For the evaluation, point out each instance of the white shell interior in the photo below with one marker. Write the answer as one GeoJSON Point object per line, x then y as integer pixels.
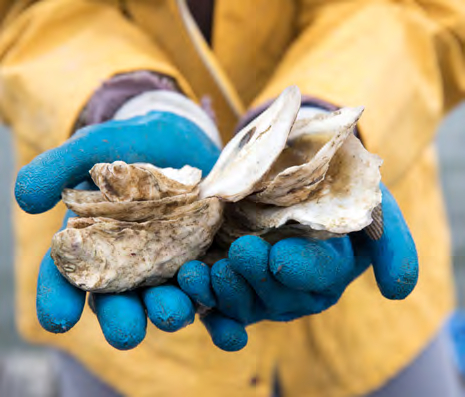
{"type": "Point", "coordinates": [251, 153]}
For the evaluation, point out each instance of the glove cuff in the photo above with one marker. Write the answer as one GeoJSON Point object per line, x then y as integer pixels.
{"type": "Point", "coordinates": [172, 102]}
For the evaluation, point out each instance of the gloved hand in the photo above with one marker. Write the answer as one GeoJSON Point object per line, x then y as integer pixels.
{"type": "Point", "coordinates": [161, 138]}
{"type": "Point", "coordinates": [298, 276]}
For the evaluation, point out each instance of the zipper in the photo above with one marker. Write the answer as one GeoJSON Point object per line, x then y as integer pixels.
{"type": "Point", "coordinates": [196, 36]}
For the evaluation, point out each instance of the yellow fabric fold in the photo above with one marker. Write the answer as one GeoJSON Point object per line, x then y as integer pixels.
{"type": "Point", "coordinates": [46, 82]}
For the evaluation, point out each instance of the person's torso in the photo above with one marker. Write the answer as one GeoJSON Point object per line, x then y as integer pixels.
{"type": "Point", "coordinates": [351, 348]}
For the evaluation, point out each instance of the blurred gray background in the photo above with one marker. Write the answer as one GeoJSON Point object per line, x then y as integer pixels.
{"type": "Point", "coordinates": [31, 365]}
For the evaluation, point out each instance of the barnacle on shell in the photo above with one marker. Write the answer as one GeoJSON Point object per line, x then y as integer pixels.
{"type": "Point", "coordinates": [276, 178]}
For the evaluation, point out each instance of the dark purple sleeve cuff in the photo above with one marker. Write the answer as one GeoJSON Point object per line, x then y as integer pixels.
{"type": "Point", "coordinates": [306, 101]}
{"type": "Point", "coordinates": [113, 93]}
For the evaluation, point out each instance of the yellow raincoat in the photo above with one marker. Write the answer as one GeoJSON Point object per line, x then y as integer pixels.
{"type": "Point", "coordinates": [403, 60]}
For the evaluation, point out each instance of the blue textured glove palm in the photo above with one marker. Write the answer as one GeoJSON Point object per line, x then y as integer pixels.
{"type": "Point", "coordinates": [160, 138]}
{"type": "Point", "coordinates": [294, 278]}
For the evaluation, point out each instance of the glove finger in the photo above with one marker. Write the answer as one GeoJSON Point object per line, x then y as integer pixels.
{"type": "Point", "coordinates": [168, 308]}
{"type": "Point", "coordinates": [226, 333]}
{"type": "Point", "coordinates": [391, 249]}
{"type": "Point", "coordinates": [313, 265]}
{"type": "Point", "coordinates": [249, 257]}
{"type": "Point", "coordinates": [194, 279]}
{"type": "Point", "coordinates": [40, 183]}
{"type": "Point", "coordinates": [122, 319]}
{"type": "Point", "coordinates": [59, 304]}
{"type": "Point", "coordinates": [308, 304]}
{"type": "Point", "coordinates": [234, 295]}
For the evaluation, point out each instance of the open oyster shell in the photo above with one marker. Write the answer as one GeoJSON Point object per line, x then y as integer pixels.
{"type": "Point", "coordinates": [251, 153]}
{"type": "Point", "coordinates": [340, 204]}
{"type": "Point", "coordinates": [277, 178]}
{"type": "Point", "coordinates": [302, 165]}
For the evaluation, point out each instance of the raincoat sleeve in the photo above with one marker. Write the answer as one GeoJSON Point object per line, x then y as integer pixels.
{"type": "Point", "coordinates": [403, 60]}
{"type": "Point", "coordinates": [55, 54]}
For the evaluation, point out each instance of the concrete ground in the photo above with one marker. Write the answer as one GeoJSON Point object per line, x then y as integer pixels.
{"type": "Point", "coordinates": [28, 369]}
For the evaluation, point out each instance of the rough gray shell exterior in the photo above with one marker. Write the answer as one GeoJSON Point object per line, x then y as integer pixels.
{"type": "Point", "coordinates": [106, 255]}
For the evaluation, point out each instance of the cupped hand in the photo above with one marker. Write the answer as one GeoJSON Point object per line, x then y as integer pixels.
{"type": "Point", "coordinates": [163, 139]}
{"type": "Point", "coordinates": [122, 317]}
{"type": "Point", "coordinates": [298, 276]}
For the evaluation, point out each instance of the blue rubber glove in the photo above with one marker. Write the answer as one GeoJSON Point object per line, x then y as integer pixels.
{"type": "Point", "coordinates": [163, 139]}
{"type": "Point", "coordinates": [297, 276]}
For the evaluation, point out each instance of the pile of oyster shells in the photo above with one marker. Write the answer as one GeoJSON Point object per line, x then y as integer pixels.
{"type": "Point", "coordinates": [278, 177]}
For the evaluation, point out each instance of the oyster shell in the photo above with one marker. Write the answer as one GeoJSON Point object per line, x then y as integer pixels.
{"type": "Point", "coordinates": [302, 165]}
{"type": "Point", "coordinates": [276, 178]}
{"type": "Point", "coordinates": [119, 181]}
{"type": "Point", "coordinates": [250, 154]}
{"type": "Point", "coordinates": [106, 255]}
{"type": "Point", "coordinates": [341, 203]}
{"type": "Point", "coordinates": [93, 204]}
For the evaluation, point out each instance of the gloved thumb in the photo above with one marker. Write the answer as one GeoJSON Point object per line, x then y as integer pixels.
{"type": "Point", "coordinates": [164, 139]}
{"type": "Point", "coordinates": [389, 245]}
